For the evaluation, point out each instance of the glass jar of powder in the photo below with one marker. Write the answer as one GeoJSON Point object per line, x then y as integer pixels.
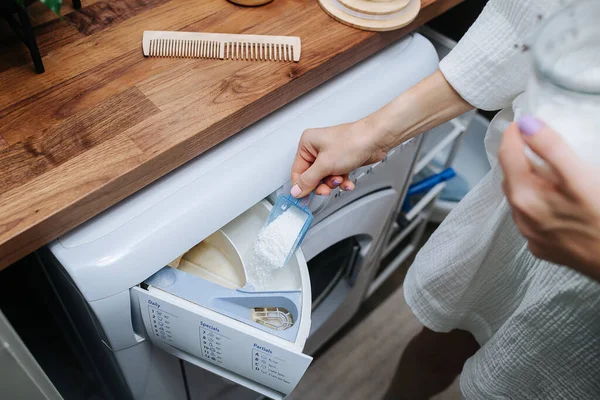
{"type": "Point", "coordinates": [564, 90]}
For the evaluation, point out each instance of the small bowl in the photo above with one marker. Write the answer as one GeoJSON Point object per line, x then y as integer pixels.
{"type": "Point", "coordinates": [250, 3]}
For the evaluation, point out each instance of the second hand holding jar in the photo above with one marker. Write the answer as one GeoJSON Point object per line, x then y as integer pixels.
{"type": "Point", "coordinates": [564, 90]}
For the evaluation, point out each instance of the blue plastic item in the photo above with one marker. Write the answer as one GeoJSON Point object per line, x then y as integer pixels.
{"type": "Point", "coordinates": [282, 204]}
{"type": "Point", "coordinates": [426, 184]}
{"type": "Point", "coordinates": [456, 189]}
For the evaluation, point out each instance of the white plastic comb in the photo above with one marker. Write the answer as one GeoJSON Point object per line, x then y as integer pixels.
{"type": "Point", "coordinates": [221, 46]}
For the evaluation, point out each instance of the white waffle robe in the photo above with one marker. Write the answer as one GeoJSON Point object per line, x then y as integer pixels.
{"type": "Point", "coordinates": [538, 324]}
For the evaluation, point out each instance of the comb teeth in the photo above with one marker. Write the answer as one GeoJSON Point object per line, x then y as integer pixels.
{"type": "Point", "coordinates": [184, 48]}
{"type": "Point", "coordinates": [258, 51]}
{"type": "Point", "coordinates": [221, 46]}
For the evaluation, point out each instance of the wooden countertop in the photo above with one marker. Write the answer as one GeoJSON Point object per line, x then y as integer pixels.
{"type": "Point", "coordinates": [103, 121]}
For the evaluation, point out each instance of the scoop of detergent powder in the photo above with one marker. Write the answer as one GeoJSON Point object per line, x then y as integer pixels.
{"type": "Point", "coordinates": [274, 244]}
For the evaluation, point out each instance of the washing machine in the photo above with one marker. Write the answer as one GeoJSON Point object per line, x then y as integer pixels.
{"type": "Point", "coordinates": [152, 329]}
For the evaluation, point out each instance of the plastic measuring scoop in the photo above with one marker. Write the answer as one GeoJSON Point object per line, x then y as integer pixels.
{"type": "Point", "coordinates": [284, 203]}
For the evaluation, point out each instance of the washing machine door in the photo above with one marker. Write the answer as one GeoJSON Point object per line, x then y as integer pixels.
{"type": "Point", "coordinates": [341, 251]}
{"type": "Point", "coordinates": [253, 338]}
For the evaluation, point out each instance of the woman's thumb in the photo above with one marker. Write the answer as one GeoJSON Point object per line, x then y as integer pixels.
{"type": "Point", "coordinates": [309, 180]}
{"type": "Point", "coordinates": [550, 146]}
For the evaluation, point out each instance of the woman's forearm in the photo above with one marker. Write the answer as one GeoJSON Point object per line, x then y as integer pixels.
{"type": "Point", "coordinates": [426, 105]}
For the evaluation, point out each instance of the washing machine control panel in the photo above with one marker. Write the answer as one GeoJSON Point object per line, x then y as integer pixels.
{"type": "Point", "coordinates": [215, 339]}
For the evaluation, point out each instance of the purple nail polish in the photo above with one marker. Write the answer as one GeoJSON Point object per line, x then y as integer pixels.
{"type": "Point", "coordinates": [530, 125]}
{"type": "Point", "coordinates": [348, 188]}
{"type": "Point", "coordinates": [337, 182]}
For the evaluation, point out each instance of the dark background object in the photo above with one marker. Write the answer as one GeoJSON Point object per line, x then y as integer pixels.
{"type": "Point", "coordinates": [21, 25]}
{"type": "Point", "coordinates": [456, 22]}
{"type": "Point", "coordinates": [28, 302]}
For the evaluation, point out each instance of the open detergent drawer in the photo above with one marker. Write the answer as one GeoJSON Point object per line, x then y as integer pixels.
{"type": "Point", "coordinates": [203, 309]}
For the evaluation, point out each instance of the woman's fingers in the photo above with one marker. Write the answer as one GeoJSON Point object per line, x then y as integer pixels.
{"type": "Point", "coordinates": [333, 181]}
{"type": "Point", "coordinates": [520, 183]}
{"type": "Point", "coordinates": [522, 224]}
{"type": "Point", "coordinates": [300, 165]}
{"type": "Point", "coordinates": [323, 190]}
{"type": "Point", "coordinates": [526, 192]}
{"type": "Point", "coordinates": [347, 184]}
{"type": "Point", "coordinates": [308, 180]}
{"type": "Point", "coordinates": [514, 162]}
{"type": "Point", "coordinates": [551, 147]}
{"type": "Point", "coordinates": [306, 173]}
{"type": "Point", "coordinates": [308, 176]}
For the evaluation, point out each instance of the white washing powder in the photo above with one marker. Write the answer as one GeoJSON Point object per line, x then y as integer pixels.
{"type": "Point", "coordinates": [273, 245]}
{"type": "Point", "coordinates": [579, 125]}
{"type": "Point", "coordinates": [576, 117]}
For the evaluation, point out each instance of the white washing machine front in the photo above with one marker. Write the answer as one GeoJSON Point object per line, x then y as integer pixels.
{"type": "Point", "coordinates": [110, 259]}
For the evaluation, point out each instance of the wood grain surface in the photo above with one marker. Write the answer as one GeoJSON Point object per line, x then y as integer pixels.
{"type": "Point", "coordinates": [103, 121]}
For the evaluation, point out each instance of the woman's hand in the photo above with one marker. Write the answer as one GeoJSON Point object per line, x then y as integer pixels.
{"type": "Point", "coordinates": [329, 154]}
{"type": "Point", "coordinates": [558, 213]}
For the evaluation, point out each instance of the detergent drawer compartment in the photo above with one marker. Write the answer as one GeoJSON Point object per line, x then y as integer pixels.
{"type": "Point", "coordinates": [215, 342]}
{"type": "Point", "coordinates": [205, 308]}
